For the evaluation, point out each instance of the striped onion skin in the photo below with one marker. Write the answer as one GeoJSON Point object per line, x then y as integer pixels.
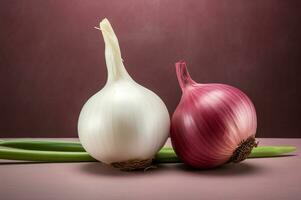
{"type": "Point", "coordinates": [211, 123]}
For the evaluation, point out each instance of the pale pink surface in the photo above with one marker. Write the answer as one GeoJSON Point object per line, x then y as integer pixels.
{"type": "Point", "coordinates": [267, 178]}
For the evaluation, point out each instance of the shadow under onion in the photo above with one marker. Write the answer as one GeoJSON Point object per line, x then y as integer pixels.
{"type": "Point", "coordinates": [224, 170]}
{"type": "Point", "coordinates": [98, 168]}
{"type": "Point", "coordinates": [230, 169]}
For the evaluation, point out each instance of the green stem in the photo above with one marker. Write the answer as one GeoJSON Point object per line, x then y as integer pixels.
{"type": "Point", "coordinates": [44, 156]}
{"type": "Point", "coordinates": [165, 155]}
{"type": "Point", "coordinates": [43, 145]}
{"type": "Point", "coordinates": [60, 156]}
{"type": "Point", "coordinates": [270, 151]}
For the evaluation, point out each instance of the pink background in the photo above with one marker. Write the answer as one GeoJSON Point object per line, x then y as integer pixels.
{"type": "Point", "coordinates": [52, 59]}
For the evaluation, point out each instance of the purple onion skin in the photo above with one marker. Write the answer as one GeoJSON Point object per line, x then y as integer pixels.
{"type": "Point", "coordinates": [210, 122]}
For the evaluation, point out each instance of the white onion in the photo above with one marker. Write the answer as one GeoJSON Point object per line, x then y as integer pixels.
{"type": "Point", "coordinates": [124, 124]}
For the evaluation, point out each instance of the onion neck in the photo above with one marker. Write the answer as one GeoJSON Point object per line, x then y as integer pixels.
{"type": "Point", "coordinates": [183, 75]}
{"type": "Point", "coordinates": [114, 62]}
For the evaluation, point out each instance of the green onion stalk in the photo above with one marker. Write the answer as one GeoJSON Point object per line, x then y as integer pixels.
{"type": "Point", "coordinates": [71, 151]}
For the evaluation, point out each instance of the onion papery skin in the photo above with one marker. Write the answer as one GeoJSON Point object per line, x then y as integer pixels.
{"type": "Point", "coordinates": [124, 124]}
{"type": "Point", "coordinates": [210, 122]}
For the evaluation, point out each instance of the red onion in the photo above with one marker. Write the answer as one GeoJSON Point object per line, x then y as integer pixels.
{"type": "Point", "coordinates": [213, 123]}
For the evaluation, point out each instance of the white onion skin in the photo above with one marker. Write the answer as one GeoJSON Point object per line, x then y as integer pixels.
{"type": "Point", "coordinates": [124, 121]}
{"type": "Point", "coordinates": [210, 122]}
